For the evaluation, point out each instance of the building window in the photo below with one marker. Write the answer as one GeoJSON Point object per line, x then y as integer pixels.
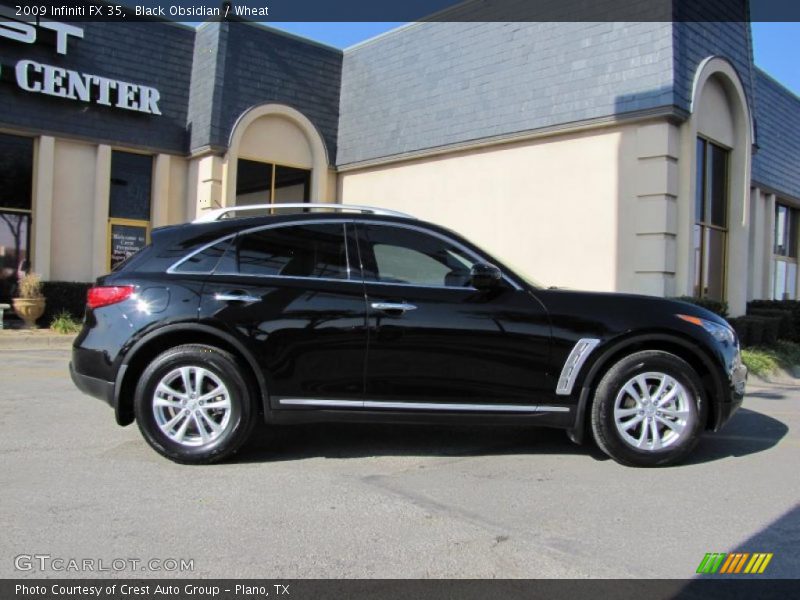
{"type": "Point", "coordinates": [16, 190]}
{"type": "Point", "coordinates": [267, 183]}
{"type": "Point", "coordinates": [784, 264]}
{"type": "Point", "coordinates": [710, 235]}
{"type": "Point", "coordinates": [129, 205]}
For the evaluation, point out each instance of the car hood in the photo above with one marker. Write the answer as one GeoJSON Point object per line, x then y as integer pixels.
{"type": "Point", "coordinates": [607, 313]}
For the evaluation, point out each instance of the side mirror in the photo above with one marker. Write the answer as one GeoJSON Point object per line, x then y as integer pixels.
{"type": "Point", "coordinates": [485, 276]}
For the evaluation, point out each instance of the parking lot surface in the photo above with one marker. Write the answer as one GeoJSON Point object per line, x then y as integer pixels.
{"type": "Point", "coordinates": [385, 501]}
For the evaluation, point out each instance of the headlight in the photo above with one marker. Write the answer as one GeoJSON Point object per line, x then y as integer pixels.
{"type": "Point", "coordinates": [721, 333]}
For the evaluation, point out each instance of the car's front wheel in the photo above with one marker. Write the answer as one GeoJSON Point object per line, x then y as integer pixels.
{"type": "Point", "coordinates": [193, 404]}
{"type": "Point", "coordinates": [649, 410]}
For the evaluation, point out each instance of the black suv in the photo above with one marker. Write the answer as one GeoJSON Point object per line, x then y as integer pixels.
{"type": "Point", "coordinates": [351, 313]}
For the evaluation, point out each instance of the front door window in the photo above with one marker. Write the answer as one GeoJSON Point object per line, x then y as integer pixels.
{"type": "Point", "coordinates": [408, 257]}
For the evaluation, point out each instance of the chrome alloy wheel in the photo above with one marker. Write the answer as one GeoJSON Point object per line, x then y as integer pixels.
{"type": "Point", "coordinates": [192, 406]}
{"type": "Point", "coordinates": [652, 411]}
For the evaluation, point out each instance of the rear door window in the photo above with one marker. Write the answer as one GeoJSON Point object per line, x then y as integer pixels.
{"type": "Point", "coordinates": [313, 250]}
{"type": "Point", "coordinates": [204, 261]}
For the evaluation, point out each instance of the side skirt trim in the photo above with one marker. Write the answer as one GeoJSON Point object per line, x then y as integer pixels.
{"type": "Point", "coordinates": [373, 404]}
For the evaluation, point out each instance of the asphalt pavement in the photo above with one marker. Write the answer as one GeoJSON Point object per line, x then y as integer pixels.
{"type": "Point", "coordinates": [319, 501]}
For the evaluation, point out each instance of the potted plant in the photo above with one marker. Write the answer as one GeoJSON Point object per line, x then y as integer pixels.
{"type": "Point", "coordinates": [29, 305]}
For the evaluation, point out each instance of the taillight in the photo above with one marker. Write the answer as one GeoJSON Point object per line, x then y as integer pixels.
{"type": "Point", "coordinates": [103, 296]}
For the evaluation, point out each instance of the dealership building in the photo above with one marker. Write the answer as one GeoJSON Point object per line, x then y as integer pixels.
{"type": "Point", "coordinates": [648, 157]}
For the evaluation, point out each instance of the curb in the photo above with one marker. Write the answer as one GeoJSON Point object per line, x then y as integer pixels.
{"type": "Point", "coordinates": [25, 341]}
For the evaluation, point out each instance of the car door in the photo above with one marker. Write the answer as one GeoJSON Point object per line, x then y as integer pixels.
{"type": "Point", "coordinates": [289, 292]}
{"type": "Point", "coordinates": [435, 339]}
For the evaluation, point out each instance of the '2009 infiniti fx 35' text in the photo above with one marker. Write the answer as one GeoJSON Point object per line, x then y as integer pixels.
{"type": "Point", "coordinates": [353, 313]}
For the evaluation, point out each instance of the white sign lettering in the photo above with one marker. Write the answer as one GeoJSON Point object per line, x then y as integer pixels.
{"type": "Point", "coordinates": [39, 78]}
{"type": "Point", "coordinates": [26, 32]}
{"type": "Point", "coordinates": [65, 83]}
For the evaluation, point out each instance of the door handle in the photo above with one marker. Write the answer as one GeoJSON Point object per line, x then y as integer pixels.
{"type": "Point", "coordinates": [393, 307]}
{"type": "Point", "coordinates": [236, 297]}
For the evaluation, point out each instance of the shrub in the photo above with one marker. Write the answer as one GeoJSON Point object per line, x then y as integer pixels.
{"type": "Point", "coordinates": [716, 306]}
{"type": "Point", "coordinates": [763, 360]}
{"type": "Point", "coordinates": [788, 353]}
{"type": "Point", "coordinates": [739, 325]}
{"type": "Point", "coordinates": [30, 286]}
{"type": "Point", "coordinates": [759, 362]}
{"type": "Point", "coordinates": [64, 297]}
{"type": "Point", "coordinates": [792, 306]}
{"type": "Point", "coordinates": [756, 330]}
{"type": "Point", "coordinates": [65, 323]}
{"type": "Point", "coordinates": [784, 318]}
{"type": "Point", "coordinates": [772, 327]}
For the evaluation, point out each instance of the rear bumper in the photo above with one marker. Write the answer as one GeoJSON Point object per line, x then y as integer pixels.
{"type": "Point", "coordinates": [92, 386]}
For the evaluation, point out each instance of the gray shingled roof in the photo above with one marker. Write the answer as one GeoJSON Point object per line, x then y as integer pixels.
{"type": "Point", "coordinates": [776, 165]}
{"type": "Point", "coordinates": [435, 84]}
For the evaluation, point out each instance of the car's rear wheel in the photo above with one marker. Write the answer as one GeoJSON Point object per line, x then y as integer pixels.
{"type": "Point", "coordinates": [193, 404]}
{"type": "Point", "coordinates": [649, 410]}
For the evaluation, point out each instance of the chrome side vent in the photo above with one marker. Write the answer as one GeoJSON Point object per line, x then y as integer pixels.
{"type": "Point", "coordinates": [580, 352]}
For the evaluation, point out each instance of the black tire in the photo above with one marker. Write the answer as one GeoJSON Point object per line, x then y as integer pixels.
{"type": "Point", "coordinates": [649, 364]}
{"type": "Point", "coordinates": [218, 366]}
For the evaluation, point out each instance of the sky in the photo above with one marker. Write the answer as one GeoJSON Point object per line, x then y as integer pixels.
{"type": "Point", "coordinates": [776, 46]}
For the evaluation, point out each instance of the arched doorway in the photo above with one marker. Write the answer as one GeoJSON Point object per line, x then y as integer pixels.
{"type": "Point", "coordinates": [275, 155]}
{"type": "Point", "coordinates": [713, 214]}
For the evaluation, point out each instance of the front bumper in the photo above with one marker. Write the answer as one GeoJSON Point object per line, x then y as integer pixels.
{"type": "Point", "coordinates": [97, 388]}
{"type": "Point", "coordinates": [737, 378]}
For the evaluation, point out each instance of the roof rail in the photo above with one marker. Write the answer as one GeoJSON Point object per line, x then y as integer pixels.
{"type": "Point", "coordinates": [219, 213]}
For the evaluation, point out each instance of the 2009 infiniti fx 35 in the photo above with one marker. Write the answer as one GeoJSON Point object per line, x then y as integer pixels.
{"type": "Point", "coordinates": [352, 313]}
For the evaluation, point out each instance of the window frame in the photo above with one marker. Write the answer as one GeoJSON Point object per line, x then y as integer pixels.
{"type": "Point", "coordinates": [352, 249]}
{"type": "Point", "coordinates": [793, 227]}
{"type": "Point", "coordinates": [147, 224]}
{"type": "Point", "coordinates": [273, 174]}
{"type": "Point", "coordinates": [700, 271]}
{"type": "Point", "coordinates": [27, 243]}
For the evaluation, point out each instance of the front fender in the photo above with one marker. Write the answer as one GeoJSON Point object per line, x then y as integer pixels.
{"type": "Point", "coordinates": [607, 354]}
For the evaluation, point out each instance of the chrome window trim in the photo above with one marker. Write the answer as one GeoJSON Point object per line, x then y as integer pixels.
{"type": "Point", "coordinates": [172, 269]}
{"type": "Point", "coordinates": [291, 277]}
{"type": "Point", "coordinates": [344, 222]}
{"type": "Point", "coordinates": [572, 366]}
{"type": "Point", "coordinates": [369, 404]}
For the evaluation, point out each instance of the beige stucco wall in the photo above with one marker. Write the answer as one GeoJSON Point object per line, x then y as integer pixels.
{"type": "Point", "coordinates": [178, 190]}
{"type": "Point", "coordinates": [275, 139]}
{"type": "Point", "coordinates": [71, 241]}
{"type": "Point", "coordinates": [714, 117]}
{"type": "Point", "coordinates": [762, 227]}
{"type": "Point", "coordinates": [549, 205]}
{"type": "Point", "coordinates": [71, 198]}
